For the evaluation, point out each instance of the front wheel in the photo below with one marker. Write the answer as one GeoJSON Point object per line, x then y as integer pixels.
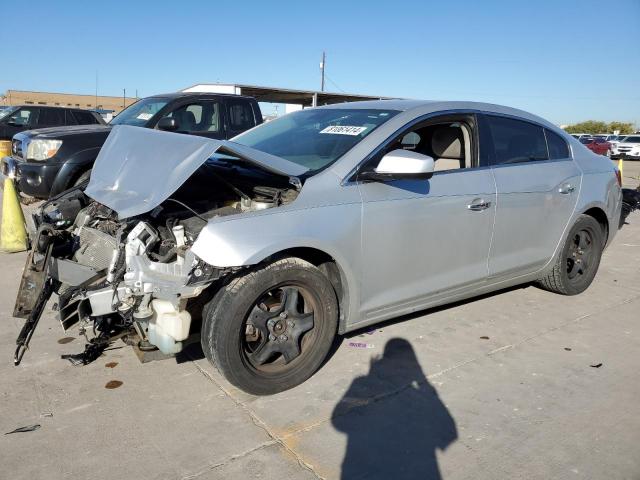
{"type": "Point", "coordinates": [579, 258]}
{"type": "Point", "coordinates": [271, 329]}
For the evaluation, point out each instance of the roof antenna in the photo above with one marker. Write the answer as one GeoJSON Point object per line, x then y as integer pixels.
{"type": "Point", "coordinates": [322, 63]}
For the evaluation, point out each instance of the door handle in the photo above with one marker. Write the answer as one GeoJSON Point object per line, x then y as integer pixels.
{"type": "Point", "coordinates": [566, 189]}
{"type": "Point", "coordinates": [478, 205]}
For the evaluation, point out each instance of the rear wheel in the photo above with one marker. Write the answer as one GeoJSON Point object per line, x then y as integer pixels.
{"type": "Point", "coordinates": [271, 329]}
{"type": "Point", "coordinates": [579, 258]}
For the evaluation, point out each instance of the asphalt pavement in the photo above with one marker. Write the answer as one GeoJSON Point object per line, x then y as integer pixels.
{"type": "Point", "coordinates": [518, 384]}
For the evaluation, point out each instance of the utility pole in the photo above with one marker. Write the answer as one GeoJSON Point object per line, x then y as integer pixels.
{"type": "Point", "coordinates": [322, 62]}
{"type": "Point", "coordinates": [96, 102]}
{"type": "Point", "coordinates": [124, 94]}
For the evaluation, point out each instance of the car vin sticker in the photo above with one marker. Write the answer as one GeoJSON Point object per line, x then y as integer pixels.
{"type": "Point", "coordinates": [343, 130]}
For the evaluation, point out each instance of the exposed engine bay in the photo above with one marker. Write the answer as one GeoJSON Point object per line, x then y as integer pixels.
{"type": "Point", "coordinates": [137, 276]}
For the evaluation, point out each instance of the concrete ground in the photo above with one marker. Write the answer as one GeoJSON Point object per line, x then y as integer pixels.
{"type": "Point", "coordinates": [519, 384]}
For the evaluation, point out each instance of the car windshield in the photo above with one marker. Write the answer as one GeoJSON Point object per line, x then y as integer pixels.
{"type": "Point", "coordinates": [632, 139]}
{"type": "Point", "coordinates": [138, 114]}
{"type": "Point", "coordinates": [314, 138]}
{"type": "Point", "coordinates": [7, 111]}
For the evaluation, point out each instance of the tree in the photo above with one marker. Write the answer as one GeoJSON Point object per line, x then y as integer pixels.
{"type": "Point", "coordinates": [590, 126]}
{"type": "Point", "coordinates": [594, 126]}
{"type": "Point", "coordinates": [625, 128]}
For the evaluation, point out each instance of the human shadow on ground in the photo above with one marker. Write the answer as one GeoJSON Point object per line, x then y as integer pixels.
{"type": "Point", "coordinates": [393, 435]}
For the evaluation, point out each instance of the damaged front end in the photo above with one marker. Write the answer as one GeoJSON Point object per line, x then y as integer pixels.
{"type": "Point", "coordinates": [119, 256]}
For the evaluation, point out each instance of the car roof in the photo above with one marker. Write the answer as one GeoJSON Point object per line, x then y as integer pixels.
{"type": "Point", "coordinates": [52, 107]}
{"type": "Point", "coordinates": [174, 95]}
{"type": "Point", "coordinates": [428, 106]}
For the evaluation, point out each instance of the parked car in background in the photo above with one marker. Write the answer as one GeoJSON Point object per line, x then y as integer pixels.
{"type": "Point", "coordinates": [597, 145]}
{"type": "Point", "coordinates": [578, 136]}
{"type": "Point", "coordinates": [614, 140]}
{"type": "Point", "coordinates": [627, 148]}
{"type": "Point", "coordinates": [51, 160]}
{"type": "Point", "coordinates": [316, 224]}
{"type": "Point", "coordinates": [26, 117]}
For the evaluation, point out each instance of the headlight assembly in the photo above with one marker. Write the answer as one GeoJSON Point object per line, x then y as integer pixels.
{"type": "Point", "coordinates": [41, 150]}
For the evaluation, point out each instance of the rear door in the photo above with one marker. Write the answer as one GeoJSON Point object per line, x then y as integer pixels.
{"type": "Point", "coordinates": [240, 116]}
{"type": "Point", "coordinates": [51, 117]}
{"type": "Point", "coordinates": [537, 185]}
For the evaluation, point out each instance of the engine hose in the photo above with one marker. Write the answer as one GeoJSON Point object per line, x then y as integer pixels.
{"type": "Point", "coordinates": [163, 258]}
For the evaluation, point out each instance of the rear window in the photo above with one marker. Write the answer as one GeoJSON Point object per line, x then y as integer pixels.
{"type": "Point", "coordinates": [557, 146]}
{"type": "Point", "coordinates": [632, 139]}
{"type": "Point", "coordinates": [586, 140]}
{"type": "Point", "coordinates": [84, 118]}
{"type": "Point", "coordinates": [515, 141]}
{"type": "Point", "coordinates": [240, 115]}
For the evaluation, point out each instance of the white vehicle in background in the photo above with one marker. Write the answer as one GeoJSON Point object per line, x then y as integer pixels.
{"type": "Point", "coordinates": [627, 148]}
{"type": "Point", "coordinates": [580, 135]}
{"type": "Point", "coordinates": [614, 139]}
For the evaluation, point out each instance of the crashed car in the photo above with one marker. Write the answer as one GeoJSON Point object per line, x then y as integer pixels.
{"type": "Point", "coordinates": [313, 225]}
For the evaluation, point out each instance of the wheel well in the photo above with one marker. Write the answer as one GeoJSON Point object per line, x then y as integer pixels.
{"type": "Point", "coordinates": [327, 265]}
{"type": "Point", "coordinates": [601, 217]}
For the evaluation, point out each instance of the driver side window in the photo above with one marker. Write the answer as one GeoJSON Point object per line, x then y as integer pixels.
{"type": "Point", "coordinates": [197, 117]}
{"type": "Point", "coordinates": [24, 116]}
{"type": "Point", "coordinates": [448, 143]}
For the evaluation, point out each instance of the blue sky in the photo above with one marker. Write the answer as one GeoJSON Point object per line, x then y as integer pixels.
{"type": "Point", "coordinates": [564, 60]}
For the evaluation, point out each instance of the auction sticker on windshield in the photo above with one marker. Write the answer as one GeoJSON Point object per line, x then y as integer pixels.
{"type": "Point", "coordinates": [145, 116]}
{"type": "Point", "coordinates": [343, 130]}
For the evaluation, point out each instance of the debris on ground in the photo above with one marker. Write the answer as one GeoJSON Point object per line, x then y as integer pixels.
{"type": "Point", "coordinates": [361, 345]}
{"type": "Point", "coordinates": [111, 364]}
{"type": "Point", "coordinates": [111, 384]}
{"type": "Point", "coordinates": [92, 351]}
{"type": "Point", "coordinates": [597, 365]}
{"type": "Point", "coordinates": [28, 428]}
{"type": "Point", "coordinates": [567, 349]}
{"type": "Point", "coordinates": [46, 414]}
{"type": "Point", "coordinates": [484, 337]}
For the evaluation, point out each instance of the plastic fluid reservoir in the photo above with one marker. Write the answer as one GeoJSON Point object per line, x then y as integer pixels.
{"type": "Point", "coordinates": [168, 326]}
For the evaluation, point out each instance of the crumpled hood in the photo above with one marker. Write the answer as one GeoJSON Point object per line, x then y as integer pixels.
{"type": "Point", "coordinates": [138, 168]}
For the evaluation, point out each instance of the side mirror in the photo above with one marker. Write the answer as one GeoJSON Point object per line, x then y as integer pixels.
{"type": "Point", "coordinates": [401, 164]}
{"type": "Point", "coordinates": [168, 124]}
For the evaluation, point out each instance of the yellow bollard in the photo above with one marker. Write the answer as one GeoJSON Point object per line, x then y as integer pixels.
{"type": "Point", "coordinates": [620, 167]}
{"type": "Point", "coordinates": [13, 234]}
{"type": "Point", "coordinates": [5, 148]}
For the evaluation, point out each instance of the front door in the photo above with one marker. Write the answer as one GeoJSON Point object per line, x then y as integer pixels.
{"type": "Point", "coordinates": [430, 238]}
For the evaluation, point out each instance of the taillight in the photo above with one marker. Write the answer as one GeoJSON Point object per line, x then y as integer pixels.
{"type": "Point", "coordinates": [619, 177]}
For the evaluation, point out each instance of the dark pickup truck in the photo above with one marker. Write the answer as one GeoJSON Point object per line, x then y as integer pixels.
{"type": "Point", "coordinates": [48, 161]}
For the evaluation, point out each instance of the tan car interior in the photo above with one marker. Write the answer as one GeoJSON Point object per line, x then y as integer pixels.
{"type": "Point", "coordinates": [449, 144]}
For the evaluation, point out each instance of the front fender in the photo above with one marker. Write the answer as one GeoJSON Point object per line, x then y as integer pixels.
{"type": "Point", "coordinates": [248, 239]}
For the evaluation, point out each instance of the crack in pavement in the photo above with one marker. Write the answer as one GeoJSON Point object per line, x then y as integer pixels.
{"type": "Point", "coordinates": [401, 389]}
{"type": "Point", "coordinates": [275, 439]}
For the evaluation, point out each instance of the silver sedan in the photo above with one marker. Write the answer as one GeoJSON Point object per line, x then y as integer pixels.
{"type": "Point", "coordinates": [321, 222]}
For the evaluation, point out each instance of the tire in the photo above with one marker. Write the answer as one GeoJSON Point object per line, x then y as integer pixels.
{"type": "Point", "coordinates": [573, 271]}
{"type": "Point", "coordinates": [84, 177]}
{"type": "Point", "coordinates": [253, 327]}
